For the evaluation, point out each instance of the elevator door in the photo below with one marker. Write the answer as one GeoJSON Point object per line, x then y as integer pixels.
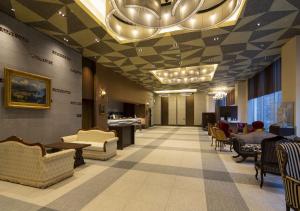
{"type": "Point", "coordinates": [190, 110]}
{"type": "Point", "coordinates": [164, 111]}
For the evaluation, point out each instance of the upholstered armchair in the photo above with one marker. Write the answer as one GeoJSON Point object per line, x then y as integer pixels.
{"type": "Point", "coordinates": [257, 126]}
{"type": "Point", "coordinates": [221, 139]}
{"type": "Point", "coordinates": [225, 127]}
{"type": "Point", "coordinates": [268, 162]}
{"type": "Point", "coordinates": [289, 163]}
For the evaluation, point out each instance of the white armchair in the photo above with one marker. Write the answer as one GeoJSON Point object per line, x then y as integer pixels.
{"type": "Point", "coordinates": [28, 164]}
{"type": "Point", "coordinates": [103, 144]}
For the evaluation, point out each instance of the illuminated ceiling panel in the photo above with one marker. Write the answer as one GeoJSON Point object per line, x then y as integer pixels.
{"type": "Point", "coordinates": [186, 75]}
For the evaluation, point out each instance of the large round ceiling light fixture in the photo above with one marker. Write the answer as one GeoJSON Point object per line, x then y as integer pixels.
{"type": "Point", "coordinates": [124, 29]}
{"type": "Point", "coordinates": [143, 19]}
{"type": "Point", "coordinates": [212, 16]}
{"type": "Point", "coordinates": [154, 14]}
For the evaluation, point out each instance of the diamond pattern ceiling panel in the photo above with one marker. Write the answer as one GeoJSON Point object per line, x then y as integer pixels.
{"type": "Point", "coordinates": [240, 50]}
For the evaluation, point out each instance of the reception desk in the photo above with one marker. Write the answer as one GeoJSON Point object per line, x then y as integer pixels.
{"type": "Point", "coordinates": [125, 134]}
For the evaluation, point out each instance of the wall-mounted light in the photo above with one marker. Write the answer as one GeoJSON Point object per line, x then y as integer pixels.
{"type": "Point", "coordinates": [102, 92]}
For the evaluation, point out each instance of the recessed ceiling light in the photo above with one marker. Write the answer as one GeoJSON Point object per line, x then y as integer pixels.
{"type": "Point", "coordinates": [61, 13]}
{"type": "Point", "coordinates": [65, 39]}
{"type": "Point", "coordinates": [258, 24]}
{"type": "Point", "coordinates": [216, 38]}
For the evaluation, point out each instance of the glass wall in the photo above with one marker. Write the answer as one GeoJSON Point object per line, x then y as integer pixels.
{"type": "Point", "coordinates": [264, 108]}
{"type": "Point", "coordinates": [264, 95]}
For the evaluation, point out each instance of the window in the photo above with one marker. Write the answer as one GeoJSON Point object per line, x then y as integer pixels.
{"type": "Point", "coordinates": [264, 108]}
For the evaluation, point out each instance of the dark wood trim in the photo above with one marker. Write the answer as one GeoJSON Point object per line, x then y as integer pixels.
{"type": "Point", "coordinates": [17, 139]}
{"type": "Point", "coordinates": [164, 110]}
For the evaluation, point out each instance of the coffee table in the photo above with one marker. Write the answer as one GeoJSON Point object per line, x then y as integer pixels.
{"type": "Point", "coordinates": [78, 150]}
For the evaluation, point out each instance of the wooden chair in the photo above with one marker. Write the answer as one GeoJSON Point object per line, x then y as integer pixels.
{"type": "Point", "coordinates": [268, 162]}
{"type": "Point", "coordinates": [221, 139]}
{"type": "Point", "coordinates": [209, 126]}
{"type": "Point", "coordinates": [212, 133]}
{"type": "Point", "coordinates": [289, 164]}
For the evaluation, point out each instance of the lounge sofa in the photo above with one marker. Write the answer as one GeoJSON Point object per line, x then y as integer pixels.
{"type": "Point", "coordinates": [103, 144]}
{"type": "Point", "coordinates": [29, 164]}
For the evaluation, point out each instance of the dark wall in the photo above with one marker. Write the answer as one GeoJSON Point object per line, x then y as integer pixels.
{"type": "Point", "coordinates": [88, 73]}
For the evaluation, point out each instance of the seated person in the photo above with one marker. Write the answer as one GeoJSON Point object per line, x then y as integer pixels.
{"type": "Point", "coordinates": [255, 137]}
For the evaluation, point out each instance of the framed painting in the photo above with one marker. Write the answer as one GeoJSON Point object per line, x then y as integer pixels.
{"type": "Point", "coordinates": [26, 90]}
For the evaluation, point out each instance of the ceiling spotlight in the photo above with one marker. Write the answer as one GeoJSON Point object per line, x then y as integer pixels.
{"type": "Point", "coordinates": [13, 9]}
{"type": "Point", "coordinates": [61, 13]}
{"type": "Point", "coordinates": [65, 39]}
{"type": "Point", "coordinates": [97, 40]}
{"type": "Point", "coordinates": [258, 24]}
{"type": "Point", "coordinates": [216, 38]}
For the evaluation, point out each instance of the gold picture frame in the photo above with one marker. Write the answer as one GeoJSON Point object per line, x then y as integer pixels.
{"type": "Point", "coordinates": [26, 90]}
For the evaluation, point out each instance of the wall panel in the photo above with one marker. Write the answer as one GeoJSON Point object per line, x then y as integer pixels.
{"type": "Point", "coordinates": [172, 109]}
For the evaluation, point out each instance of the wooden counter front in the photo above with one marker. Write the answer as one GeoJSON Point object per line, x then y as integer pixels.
{"type": "Point", "coordinates": [125, 134]}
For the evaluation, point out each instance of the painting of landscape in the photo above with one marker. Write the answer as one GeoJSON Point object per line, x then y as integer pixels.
{"type": "Point", "coordinates": [26, 90]}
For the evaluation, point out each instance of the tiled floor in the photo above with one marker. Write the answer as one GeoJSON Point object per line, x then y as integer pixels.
{"type": "Point", "coordinates": [169, 168]}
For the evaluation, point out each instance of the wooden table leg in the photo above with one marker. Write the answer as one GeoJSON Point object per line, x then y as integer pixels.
{"type": "Point", "coordinates": [78, 158]}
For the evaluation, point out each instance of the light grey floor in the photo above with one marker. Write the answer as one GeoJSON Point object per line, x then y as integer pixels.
{"type": "Point", "coordinates": [169, 168]}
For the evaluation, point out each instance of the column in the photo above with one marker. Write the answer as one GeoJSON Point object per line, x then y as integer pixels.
{"type": "Point", "coordinates": [290, 77]}
{"type": "Point", "coordinates": [241, 100]}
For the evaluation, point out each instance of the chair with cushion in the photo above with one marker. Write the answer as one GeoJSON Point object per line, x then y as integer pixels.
{"type": "Point", "coordinates": [225, 127]}
{"type": "Point", "coordinates": [257, 126]}
{"type": "Point", "coordinates": [221, 139]}
{"type": "Point", "coordinates": [29, 164]}
{"type": "Point", "coordinates": [268, 162]}
{"type": "Point", "coordinates": [289, 163]}
{"type": "Point", "coordinates": [103, 144]}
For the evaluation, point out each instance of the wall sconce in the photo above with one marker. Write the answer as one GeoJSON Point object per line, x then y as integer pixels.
{"type": "Point", "coordinates": [102, 92]}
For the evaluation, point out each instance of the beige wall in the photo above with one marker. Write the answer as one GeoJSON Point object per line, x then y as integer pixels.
{"type": "Point", "coordinates": [181, 110]}
{"type": "Point", "coordinates": [200, 105]}
{"type": "Point", "coordinates": [117, 88]}
{"type": "Point", "coordinates": [172, 109]}
{"type": "Point", "coordinates": [210, 104]}
{"type": "Point", "coordinates": [241, 100]}
{"type": "Point", "coordinates": [157, 110]}
{"type": "Point", "coordinates": [290, 53]}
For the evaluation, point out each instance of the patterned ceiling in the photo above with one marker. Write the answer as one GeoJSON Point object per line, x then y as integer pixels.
{"type": "Point", "coordinates": [240, 51]}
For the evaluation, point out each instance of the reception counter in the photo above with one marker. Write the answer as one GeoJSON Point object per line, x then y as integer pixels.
{"type": "Point", "coordinates": [125, 134]}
